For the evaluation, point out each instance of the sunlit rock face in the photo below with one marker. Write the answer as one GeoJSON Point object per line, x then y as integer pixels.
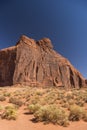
{"type": "Point", "coordinates": [36, 63]}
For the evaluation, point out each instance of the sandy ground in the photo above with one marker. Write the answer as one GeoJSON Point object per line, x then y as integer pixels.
{"type": "Point", "coordinates": [24, 123]}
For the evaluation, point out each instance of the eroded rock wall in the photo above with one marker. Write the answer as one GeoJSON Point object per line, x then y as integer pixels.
{"type": "Point", "coordinates": [7, 66]}
{"type": "Point", "coordinates": [35, 63]}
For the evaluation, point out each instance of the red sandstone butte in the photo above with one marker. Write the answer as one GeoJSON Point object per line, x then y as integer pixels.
{"type": "Point", "coordinates": [35, 63]}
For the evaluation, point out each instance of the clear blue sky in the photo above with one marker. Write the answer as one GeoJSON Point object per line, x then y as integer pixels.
{"type": "Point", "coordinates": [63, 21]}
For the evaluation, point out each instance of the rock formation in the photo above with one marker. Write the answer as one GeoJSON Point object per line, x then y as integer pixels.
{"type": "Point", "coordinates": [35, 63]}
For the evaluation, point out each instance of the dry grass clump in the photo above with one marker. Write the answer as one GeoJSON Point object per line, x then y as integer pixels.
{"type": "Point", "coordinates": [53, 104]}
{"type": "Point", "coordinates": [1, 108]}
{"type": "Point", "coordinates": [9, 113]}
{"type": "Point", "coordinates": [85, 116]}
{"type": "Point", "coordinates": [77, 113]}
{"type": "Point", "coordinates": [34, 99]}
{"type": "Point", "coordinates": [7, 94]}
{"type": "Point", "coordinates": [49, 105]}
{"type": "Point", "coordinates": [2, 98]}
{"type": "Point", "coordinates": [33, 108]}
{"type": "Point", "coordinates": [49, 114]}
{"type": "Point", "coordinates": [15, 101]}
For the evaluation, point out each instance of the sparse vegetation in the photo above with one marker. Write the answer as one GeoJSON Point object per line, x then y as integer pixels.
{"type": "Point", "coordinates": [51, 114]}
{"type": "Point", "coordinates": [1, 108]}
{"type": "Point", "coordinates": [2, 98]}
{"type": "Point", "coordinates": [48, 105]}
{"type": "Point", "coordinates": [33, 108]}
{"type": "Point", "coordinates": [10, 113]}
{"type": "Point", "coordinates": [16, 101]}
{"type": "Point", "coordinates": [76, 113]}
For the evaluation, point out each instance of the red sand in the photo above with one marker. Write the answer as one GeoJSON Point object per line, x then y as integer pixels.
{"type": "Point", "coordinates": [24, 123]}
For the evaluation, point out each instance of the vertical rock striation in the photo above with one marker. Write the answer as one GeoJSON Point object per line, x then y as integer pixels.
{"type": "Point", "coordinates": [35, 63]}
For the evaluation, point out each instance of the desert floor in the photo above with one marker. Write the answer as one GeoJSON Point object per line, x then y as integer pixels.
{"type": "Point", "coordinates": [24, 121]}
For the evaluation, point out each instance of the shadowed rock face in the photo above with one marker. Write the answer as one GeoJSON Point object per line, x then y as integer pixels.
{"type": "Point", "coordinates": [35, 63]}
{"type": "Point", "coordinates": [7, 66]}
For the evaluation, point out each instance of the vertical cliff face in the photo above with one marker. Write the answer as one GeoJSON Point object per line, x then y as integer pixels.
{"type": "Point", "coordinates": [35, 63]}
{"type": "Point", "coordinates": [7, 66]}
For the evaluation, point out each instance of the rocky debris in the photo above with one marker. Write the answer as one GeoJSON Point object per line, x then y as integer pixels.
{"type": "Point", "coordinates": [35, 63]}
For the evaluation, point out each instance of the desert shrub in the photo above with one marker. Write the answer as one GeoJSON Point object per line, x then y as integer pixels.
{"type": "Point", "coordinates": [85, 116]}
{"type": "Point", "coordinates": [10, 113]}
{"type": "Point", "coordinates": [76, 113]}
{"type": "Point", "coordinates": [71, 102]}
{"type": "Point", "coordinates": [80, 103]}
{"type": "Point", "coordinates": [2, 98]}
{"type": "Point", "coordinates": [65, 105]}
{"type": "Point", "coordinates": [1, 108]}
{"type": "Point", "coordinates": [17, 93]}
{"type": "Point", "coordinates": [60, 96]}
{"type": "Point", "coordinates": [51, 97]}
{"type": "Point", "coordinates": [7, 94]}
{"type": "Point", "coordinates": [16, 101]}
{"type": "Point", "coordinates": [51, 114]}
{"type": "Point", "coordinates": [35, 99]}
{"type": "Point", "coordinates": [69, 96]}
{"type": "Point", "coordinates": [39, 93]}
{"type": "Point", "coordinates": [33, 108]}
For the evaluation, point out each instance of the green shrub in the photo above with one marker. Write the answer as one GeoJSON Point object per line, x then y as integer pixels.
{"type": "Point", "coordinates": [9, 113]}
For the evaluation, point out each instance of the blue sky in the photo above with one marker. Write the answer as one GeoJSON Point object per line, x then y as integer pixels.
{"type": "Point", "coordinates": [63, 21]}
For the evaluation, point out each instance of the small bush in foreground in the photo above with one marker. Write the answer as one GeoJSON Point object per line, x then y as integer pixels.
{"type": "Point", "coordinates": [76, 113]}
{"type": "Point", "coordinates": [9, 113]}
{"type": "Point", "coordinates": [51, 114]}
